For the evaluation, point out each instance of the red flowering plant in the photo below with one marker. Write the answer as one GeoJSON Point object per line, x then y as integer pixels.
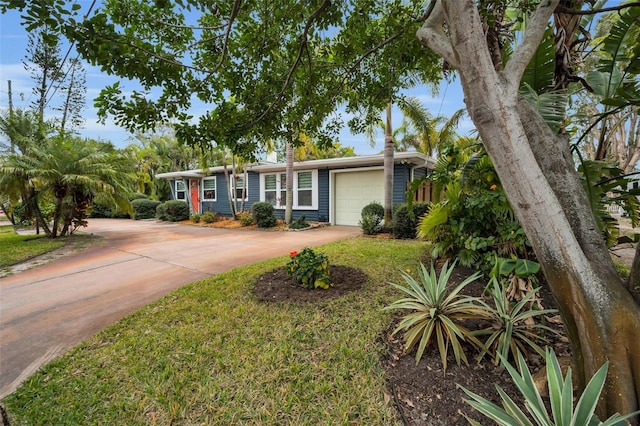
{"type": "Point", "coordinates": [309, 268]}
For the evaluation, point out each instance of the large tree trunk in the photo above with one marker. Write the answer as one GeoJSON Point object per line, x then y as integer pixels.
{"type": "Point", "coordinates": [537, 172]}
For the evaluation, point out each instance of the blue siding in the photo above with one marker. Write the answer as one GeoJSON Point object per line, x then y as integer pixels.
{"type": "Point", "coordinates": [401, 178]}
{"type": "Point", "coordinates": [323, 195]}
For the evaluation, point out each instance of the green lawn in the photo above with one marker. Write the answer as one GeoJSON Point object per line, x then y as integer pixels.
{"type": "Point", "coordinates": [210, 353]}
{"type": "Point", "coordinates": [15, 248]}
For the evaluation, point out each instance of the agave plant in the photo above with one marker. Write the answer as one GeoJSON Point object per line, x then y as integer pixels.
{"type": "Point", "coordinates": [514, 329]}
{"type": "Point", "coordinates": [563, 411]}
{"type": "Point", "coordinates": [436, 310]}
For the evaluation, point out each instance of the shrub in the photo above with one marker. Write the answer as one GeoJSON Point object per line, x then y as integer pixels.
{"type": "Point", "coordinates": [371, 218]}
{"type": "Point", "coordinates": [263, 213]}
{"type": "Point", "coordinates": [300, 223]}
{"type": "Point", "coordinates": [195, 218]}
{"type": "Point", "coordinates": [161, 211]}
{"type": "Point", "coordinates": [560, 397]}
{"type": "Point", "coordinates": [138, 196]}
{"type": "Point", "coordinates": [435, 311]}
{"type": "Point", "coordinates": [209, 217]}
{"type": "Point", "coordinates": [513, 327]}
{"type": "Point", "coordinates": [373, 208]}
{"type": "Point", "coordinates": [309, 268]}
{"type": "Point", "coordinates": [144, 209]}
{"type": "Point", "coordinates": [245, 218]}
{"type": "Point", "coordinates": [100, 210]}
{"type": "Point", "coordinates": [176, 210]}
{"type": "Point", "coordinates": [404, 224]}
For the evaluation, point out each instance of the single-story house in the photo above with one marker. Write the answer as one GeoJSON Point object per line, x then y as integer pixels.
{"type": "Point", "coordinates": [329, 190]}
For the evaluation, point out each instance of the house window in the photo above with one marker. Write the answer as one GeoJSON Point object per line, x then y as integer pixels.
{"type": "Point", "coordinates": [305, 189]}
{"type": "Point", "coordinates": [238, 185]}
{"type": "Point", "coordinates": [209, 189]}
{"type": "Point", "coordinates": [275, 189]}
{"type": "Point", "coordinates": [181, 192]}
{"type": "Point", "coordinates": [305, 184]}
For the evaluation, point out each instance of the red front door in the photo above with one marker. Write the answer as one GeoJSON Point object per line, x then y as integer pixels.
{"type": "Point", "coordinates": [194, 184]}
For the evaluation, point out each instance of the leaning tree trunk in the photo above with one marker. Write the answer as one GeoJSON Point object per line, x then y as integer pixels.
{"type": "Point", "coordinates": [537, 172]}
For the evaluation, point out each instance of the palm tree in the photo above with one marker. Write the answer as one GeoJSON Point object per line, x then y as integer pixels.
{"type": "Point", "coordinates": [71, 172]}
{"type": "Point", "coordinates": [420, 133]}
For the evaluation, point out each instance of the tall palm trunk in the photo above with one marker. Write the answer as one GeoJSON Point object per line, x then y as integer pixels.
{"type": "Point", "coordinates": [288, 213]}
{"type": "Point", "coordinates": [388, 168]}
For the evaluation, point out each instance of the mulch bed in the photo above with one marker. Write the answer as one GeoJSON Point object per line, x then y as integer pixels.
{"type": "Point", "coordinates": [422, 392]}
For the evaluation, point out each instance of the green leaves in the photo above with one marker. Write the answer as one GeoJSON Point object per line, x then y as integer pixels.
{"type": "Point", "coordinates": [560, 396]}
{"type": "Point", "coordinates": [437, 310]}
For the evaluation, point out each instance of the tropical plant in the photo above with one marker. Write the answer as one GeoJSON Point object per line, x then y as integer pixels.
{"type": "Point", "coordinates": [513, 327]}
{"type": "Point", "coordinates": [71, 172]}
{"type": "Point", "coordinates": [473, 220]}
{"type": "Point", "coordinates": [563, 411]}
{"type": "Point", "coordinates": [300, 223]}
{"type": "Point", "coordinates": [518, 277]}
{"type": "Point", "coordinates": [309, 268]}
{"type": "Point", "coordinates": [606, 186]}
{"type": "Point", "coordinates": [436, 312]}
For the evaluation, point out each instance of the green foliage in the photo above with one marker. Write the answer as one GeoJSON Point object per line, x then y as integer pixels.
{"type": "Point", "coordinates": [513, 326]}
{"type": "Point", "coordinates": [264, 215]}
{"type": "Point", "coordinates": [373, 208]}
{"type": "Point", "coordinates": [309, 268]}
{"type": "Point", "coordinates": [161, 211]}
{"type": "Point", "coordinates": [175, 210]}
{"type": "Point", "coordinates": [606, 185]}
{"type": "Point", "coordinates": [372, 216]}
{"type": "Point", "coordinates": [436, 310]}
{"type": "Point", "coordinates": [144, 209]}
{"type": "Point", "coordinates": [405, 222]}
{"type": "Point", "coordinates": [300, 223]}
{"type": "Point", "coordinates": [209, 217]}
{"type": "Point", "coordinates": [473, 220]}
{"type": "Point", "coordinates": [194, 217]}
{"type": "Point", "coordinates": [245, 218]}
{"type": "Point", "coordinates": [563, 412]}
{"type": "Point", "coordinates": [370, 224]}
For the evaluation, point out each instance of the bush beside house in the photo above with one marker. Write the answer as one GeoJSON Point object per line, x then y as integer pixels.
{"type": "Point", "coordinates": [264, 215]}
{"type": "Point", "coordinates": [144, 209]}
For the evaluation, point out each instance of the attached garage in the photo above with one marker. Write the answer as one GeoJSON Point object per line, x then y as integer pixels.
{"type": "Point", "coordinates": [352, 191]}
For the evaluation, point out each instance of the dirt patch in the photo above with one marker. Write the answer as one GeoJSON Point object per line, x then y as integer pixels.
{"type": "Point", "coordinates": [277, 286]}
{"type": "Point", "coordinates": [422, 392]}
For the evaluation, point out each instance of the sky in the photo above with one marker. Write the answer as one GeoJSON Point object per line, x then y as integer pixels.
{"type": "Point", "coordinates": [13, 49]}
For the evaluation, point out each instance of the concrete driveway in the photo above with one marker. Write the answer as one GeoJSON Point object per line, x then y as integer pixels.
{"type": "Point", "coordinates": [50, 309]}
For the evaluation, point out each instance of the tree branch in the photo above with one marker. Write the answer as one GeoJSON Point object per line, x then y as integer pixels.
{"type": "Point", "coordinates": [533, 35]}
{"type": "Point", "coordinates": [569, 11]}
{"type": "Point", "coordinates": [432, 35]}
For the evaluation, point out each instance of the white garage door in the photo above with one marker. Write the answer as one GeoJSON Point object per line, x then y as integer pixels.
{"type": "Point", "coordinates": [353, 191]}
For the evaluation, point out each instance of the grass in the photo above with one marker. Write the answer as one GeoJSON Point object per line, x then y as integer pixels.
{"type": "Point", "coordinates": [210, 353]}
{"type": "Point", "coordinates": [16, 248]}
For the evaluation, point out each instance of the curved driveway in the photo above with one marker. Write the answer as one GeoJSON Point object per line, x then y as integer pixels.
{"type": "Point", "coordinates": [50, 309]}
